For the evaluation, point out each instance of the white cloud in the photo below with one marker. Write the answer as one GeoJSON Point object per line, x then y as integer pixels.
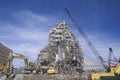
{"type": "Point", "coordinates": [27, 34]}
{"type": "Point", "coordinates": [30, 33]}
{"type": "Point", "coordinates": [33, 34]}
{"type": "Point", "coordinates": [29, 18]}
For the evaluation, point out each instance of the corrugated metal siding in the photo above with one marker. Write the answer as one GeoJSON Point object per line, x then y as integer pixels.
{"type": "Point", "coordinates": [4, 53]}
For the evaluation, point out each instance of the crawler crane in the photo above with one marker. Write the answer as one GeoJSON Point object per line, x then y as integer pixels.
{"type": "Point", "coordinates": [97, 76]}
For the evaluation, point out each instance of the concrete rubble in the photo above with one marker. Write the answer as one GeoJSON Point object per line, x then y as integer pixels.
{"type": "Point", "coordinates": [62, 48]}
{"type": "Point", "coordinates": [64, 52]}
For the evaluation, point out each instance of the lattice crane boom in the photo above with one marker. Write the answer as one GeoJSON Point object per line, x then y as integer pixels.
{"type": "Point", "coordinates": [87, 40]}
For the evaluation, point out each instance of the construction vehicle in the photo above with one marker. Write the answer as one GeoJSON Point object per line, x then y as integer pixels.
{"type": "Point", "coordinates": [29, 66]}
{"type": "Point", "coordinates": [113, 72]}
{"type": "Point", "coordinates": [20, 56]}
{"type": "Point", "coordinates": [47, 68]}
{"type": "Point", "coordinates": [6, 61]}
{"type": "Point", "coordinates": [96, 76]}
{"type": "Point", "coordinates": [51, 70]}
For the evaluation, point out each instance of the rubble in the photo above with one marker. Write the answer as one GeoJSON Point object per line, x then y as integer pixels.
{"type": "Point", "coordinates": [63, 49]}
{"type": "Point", "coordinates": [63, 52]}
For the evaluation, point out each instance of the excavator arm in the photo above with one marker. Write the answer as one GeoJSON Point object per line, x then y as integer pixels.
{"type": "Point", "coordinates": [20, 56]}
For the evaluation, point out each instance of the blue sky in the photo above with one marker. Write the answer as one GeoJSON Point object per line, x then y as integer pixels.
{"type": "Point", "coordinates": [25, 24]}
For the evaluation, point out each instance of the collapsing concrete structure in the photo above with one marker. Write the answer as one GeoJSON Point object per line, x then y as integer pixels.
{"type": "Point", "coordinates": [63, 50]}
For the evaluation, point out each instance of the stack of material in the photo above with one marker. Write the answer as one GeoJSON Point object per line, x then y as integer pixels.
{"type": "Point", "coordinates": [63, 49]}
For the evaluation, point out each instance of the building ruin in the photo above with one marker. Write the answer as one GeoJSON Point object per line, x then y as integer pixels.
{"type": "Point", "coordinates": [63, 47]}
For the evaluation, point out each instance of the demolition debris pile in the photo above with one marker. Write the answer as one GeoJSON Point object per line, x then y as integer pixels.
{"type": "Point", "coordinates": [62, 51]}
{"type": "Point", "coordinates": [62, 56]}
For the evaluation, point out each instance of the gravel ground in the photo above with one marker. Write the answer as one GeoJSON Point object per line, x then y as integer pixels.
{"type": "Point", "coordinates": [3, 78]}
{"type": "Point", "coordinates": [46, 77]}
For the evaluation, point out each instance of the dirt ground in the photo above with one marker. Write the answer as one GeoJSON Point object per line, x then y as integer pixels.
{"type": "Point", "coordinates": [46, 77]}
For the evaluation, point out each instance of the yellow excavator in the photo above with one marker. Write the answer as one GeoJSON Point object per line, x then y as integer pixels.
{"type": "Point", "coordinates": [29, 66]}
{"type": "Point", "coordinates": [6, 61]}
{"type": "Point", "coordinates": [52, 69]}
